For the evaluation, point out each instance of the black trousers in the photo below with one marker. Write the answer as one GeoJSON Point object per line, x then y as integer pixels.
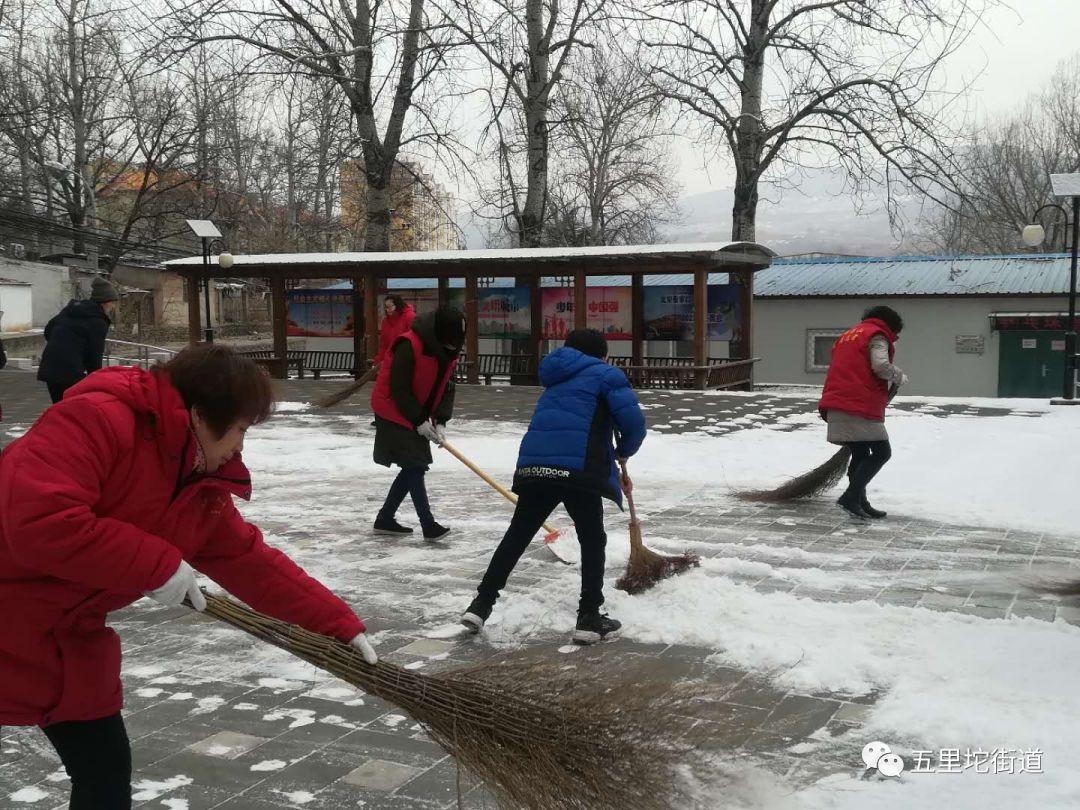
{"type": "Point", "coordinates": [97, 756]}
{"type": "Point", "coordinates": [56, 391]}
{"type": "Point", "coordinates": [867, 459]}
{"type": "Point", "coordinates": [534, 505]}
{"type": "Point", "coordinates": [410, 481]}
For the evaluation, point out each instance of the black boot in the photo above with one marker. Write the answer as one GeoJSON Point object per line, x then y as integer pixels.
{"type": "Point", "coordinates": [476, 614]}
{"type": "Point", "coordinates": [876, 514]}
{"type": "Point", "coordinates": [435, 532]}
{"type": "Point", "coordinates": [595, 626]}
{"type": "Point", "coordinates": [391, 526]}
{"type": "Point", "coordinates": [850, 503]}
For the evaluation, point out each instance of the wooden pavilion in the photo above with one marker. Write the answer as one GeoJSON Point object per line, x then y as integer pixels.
{"type": "Point", "coordinates": [740, 260]}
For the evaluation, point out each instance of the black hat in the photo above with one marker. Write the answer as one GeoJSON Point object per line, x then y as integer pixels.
{"type": "Point", "coordinates": [450, 326]}
{"type": "Point", "coordinates": [101, 291]}
{"type": "Point", "coordinates": [587, 341]}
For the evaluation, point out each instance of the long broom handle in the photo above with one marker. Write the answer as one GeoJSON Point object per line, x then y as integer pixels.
{"type": "Point", "coordinates": [629, 495]}
{"type": "Point", "coordinates": [510, 496]}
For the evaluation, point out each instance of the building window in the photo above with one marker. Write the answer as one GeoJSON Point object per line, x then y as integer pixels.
{"type": "Point", "coordinates": [819, 345]}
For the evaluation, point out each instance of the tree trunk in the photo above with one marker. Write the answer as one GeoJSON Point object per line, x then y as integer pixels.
{"type": "Point", "coordinates": [749, 140]}
{"type": "Point", "coordinates": [531, 220]}
{"type": "Point", "coordinates": [377, 227]}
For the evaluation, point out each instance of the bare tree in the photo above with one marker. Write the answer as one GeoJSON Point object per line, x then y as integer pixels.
{"type": "Point", "coordinates": [1007, 165]}
{"type": "Point", "coordinates": [614, 178]}
{"type": "Point", "coordinates": [525, 45]}
{"type": "Point", "coordinates": [789, 84]}
{"type": "Point", "coordinates": [379, 55]}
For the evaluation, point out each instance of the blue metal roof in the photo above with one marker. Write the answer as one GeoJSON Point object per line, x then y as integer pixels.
{"type": "Point", "coordinates": [1019, 274]}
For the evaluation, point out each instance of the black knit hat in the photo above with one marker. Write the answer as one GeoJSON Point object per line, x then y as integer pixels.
{"type": "Point", "coordinates": [450, 326]}
{"type": "Point", "coordinates": [101, 291]}
{"type": "Point", "coordinates": [588, 341]}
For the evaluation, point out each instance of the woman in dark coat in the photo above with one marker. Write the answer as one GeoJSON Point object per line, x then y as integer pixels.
{"type": "Point", "coordinates": [413, 399]}
{"type": "Point", "coordinates": [75, 339]}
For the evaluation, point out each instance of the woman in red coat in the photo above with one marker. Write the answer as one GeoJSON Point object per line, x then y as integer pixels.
{"type": "Point", "coordinates": [397, 321]}
{"type": "Point", "coordinates": [121, 490]}
{"type": "Point", "coordinates": [857, 390]}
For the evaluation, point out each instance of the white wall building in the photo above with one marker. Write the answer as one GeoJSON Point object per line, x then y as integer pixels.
{"type": "Point", "coordinates": [16, 306]}
{"type": "Point", "coordinates": [973, 326]}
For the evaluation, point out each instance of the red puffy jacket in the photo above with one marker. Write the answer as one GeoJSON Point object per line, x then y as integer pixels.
{"type": "Point", "coordinates": [851, 384]}
{"type": "Point", "coordinates": [427, 386]}
{"type": "Point", "coordinates": [392, 326]}
{"type": "Point", "coordinates": [98, 504]}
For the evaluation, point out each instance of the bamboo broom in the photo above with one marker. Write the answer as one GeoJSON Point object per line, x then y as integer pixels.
{"type": "Point", "coordinates": [538, 733]}
{"type": "Point", "coordinates": [645, 567]}
{"type": "Point", "coordinates": [330, 400]}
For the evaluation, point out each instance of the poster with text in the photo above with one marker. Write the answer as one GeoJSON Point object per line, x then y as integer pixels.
{"type": "Point", "coordinates": [319, 313]}
{"type": "Point", "coordinates": [669, 312]}
{"type": "Point", "coordinates": [501, 313]}
{"type": "Point", "coordinates": [607, 309]}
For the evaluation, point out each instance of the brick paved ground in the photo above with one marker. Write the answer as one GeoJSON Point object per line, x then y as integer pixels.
{"type": "Point", "coordinates": [218, 721]}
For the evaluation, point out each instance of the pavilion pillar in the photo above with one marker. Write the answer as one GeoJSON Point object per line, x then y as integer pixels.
{"type": "Point", "coordinates": [279, 324]}
{"type": "Point", "coordinates": [191, 287]}
{"type": "Point", "coordinates": [701, 326]}
{"type": "Point", "coordinates": [637, 317]}
{"type": "Point", "coordinates": [472, 327]}
{"type": "Point", "coordinates": [444, 290]}
{"type": "Point", "coordinates": [359, 360]}
{"type": "Point", "coordinates": [371, 316]}
{"type": "Point", "coordinates": [746, 317]}
{"type": "Point", "coordinates": [579, 299]}
{"type": "Point", "coordinates": [536, 327]}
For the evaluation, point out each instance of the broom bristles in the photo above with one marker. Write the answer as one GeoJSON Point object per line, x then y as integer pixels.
{"type": "Point", "coordinates": [538, 733]}
{"type": "Point", "coordinates": [646, 568]}
{"type": "Point", "coordinates": [808, 485]}
{"type": "Point", "coordinates": [342, 394]}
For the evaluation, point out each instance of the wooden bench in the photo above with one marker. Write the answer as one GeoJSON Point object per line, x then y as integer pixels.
{"type": "Point", "coordinates": [503, 366]}
{"type": "Point", "coordinates": [301, 361]}
{"type": "Point", "coordinates": [319, 361]}
{"type": "Point", "coordinates": [681, 373]}
{"type": "Point", "coordinates": [294, 361]}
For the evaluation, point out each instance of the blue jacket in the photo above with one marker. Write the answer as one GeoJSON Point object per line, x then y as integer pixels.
{"type": "Point", "coordinates": [587, 405]}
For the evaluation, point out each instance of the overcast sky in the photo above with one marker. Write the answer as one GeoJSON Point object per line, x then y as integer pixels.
{"type": "Point", "coordinates": [1011, 56]}
{"type": "Point", "coordinates": [1015, 53]}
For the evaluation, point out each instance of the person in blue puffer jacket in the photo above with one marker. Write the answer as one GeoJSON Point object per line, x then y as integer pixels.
{"type": "Point", "coordinates": [587, 418]}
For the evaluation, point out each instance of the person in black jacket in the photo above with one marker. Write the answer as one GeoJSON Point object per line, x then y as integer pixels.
{"type": "Point", "coordinates": [75, 339]}
{"type": "Point", "coordinates": [413, 399]}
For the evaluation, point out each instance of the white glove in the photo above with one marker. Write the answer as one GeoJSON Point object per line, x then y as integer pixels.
{"type": "Point", "coordinates": [427, 430]}
{"type": "Point", "coordinates": [179, 586]}
{"type": "Point", "coordinates": [362, 644]}
{"type": "Point", "coordinates": [903, 379]}
{"type": "Point", "coordinates": [440, 434]}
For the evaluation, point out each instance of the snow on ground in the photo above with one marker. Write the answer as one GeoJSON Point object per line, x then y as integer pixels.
{"type": "Point", "coordinates": [941, 679]}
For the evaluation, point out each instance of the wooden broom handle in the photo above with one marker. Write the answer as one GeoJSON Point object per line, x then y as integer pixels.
{"type": "Point", "coordinates": [629, 496]}
{"type": "Point", "coordinates": [510, 496]}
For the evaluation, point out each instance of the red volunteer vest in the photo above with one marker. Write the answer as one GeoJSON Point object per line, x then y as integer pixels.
{"type": "Point", "coordinates": [425, 381]}
{"type": "Point", "coordinates": [851, 385]}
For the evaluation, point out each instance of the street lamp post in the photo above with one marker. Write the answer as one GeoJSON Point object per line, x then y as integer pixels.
{"type": "Point", "coordinates": [1064, 185]}
{"type": "Point", "coordinates": [209, 234]}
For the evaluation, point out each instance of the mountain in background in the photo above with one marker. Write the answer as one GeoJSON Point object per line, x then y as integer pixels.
{"type": "Point", "coordinates": [819, 216]}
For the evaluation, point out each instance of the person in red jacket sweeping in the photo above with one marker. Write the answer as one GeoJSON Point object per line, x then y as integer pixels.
{"type": "Point", "coordinates": [121, 490]}
{"type": "Point", "coordinates": [413, 399]}
{"type": "Point", "coordinates": [857, 390]}
{"type": "Point", "coordinates": [398, 319]}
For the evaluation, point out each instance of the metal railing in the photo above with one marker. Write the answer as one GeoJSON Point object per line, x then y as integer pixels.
{"type": "Point", "coordinates": [145, 354]}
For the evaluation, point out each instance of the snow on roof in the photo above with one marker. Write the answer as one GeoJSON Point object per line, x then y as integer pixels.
{"type": "Point", "coordinates": [490, 254]}
{"type": "Point", "coordinates": [1010, 274]}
